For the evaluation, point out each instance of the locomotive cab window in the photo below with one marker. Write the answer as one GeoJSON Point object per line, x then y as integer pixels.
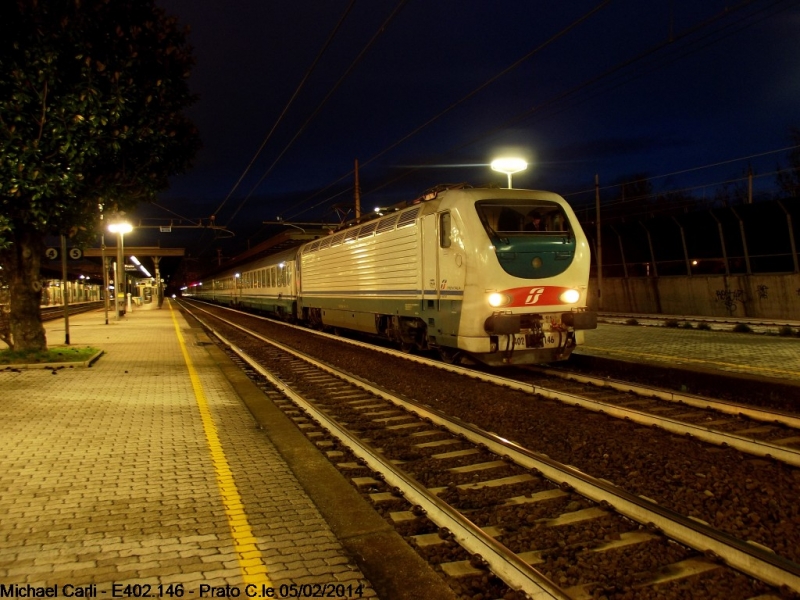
{"type": "Point", "coordinates": [522, 217]}
{"type": "Point", "coordinates": [444, 230]}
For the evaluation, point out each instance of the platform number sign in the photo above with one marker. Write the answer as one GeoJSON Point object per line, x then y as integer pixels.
{"type": "Point", "coordinates": [73, 253]}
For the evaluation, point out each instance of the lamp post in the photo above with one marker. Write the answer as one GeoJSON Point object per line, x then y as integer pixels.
{"type": "Point", "coordinates": [120, 229]}
{"type": "Point", "coordinates": [509, 166]}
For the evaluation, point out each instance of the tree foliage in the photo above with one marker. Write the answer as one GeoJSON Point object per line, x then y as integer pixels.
{"type": "Point", "coordinates": [92, 94]}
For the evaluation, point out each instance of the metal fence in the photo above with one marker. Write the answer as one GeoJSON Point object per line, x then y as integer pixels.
{"type": "Point", "coordinates": [745, 239]}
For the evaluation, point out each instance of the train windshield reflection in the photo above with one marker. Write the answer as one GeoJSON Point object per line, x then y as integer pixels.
{"type": "Point", "coordinates": [520, 217]}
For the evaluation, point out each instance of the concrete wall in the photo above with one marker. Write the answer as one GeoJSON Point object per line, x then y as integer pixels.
{"type": "Point", "coordinates": [753, 296]}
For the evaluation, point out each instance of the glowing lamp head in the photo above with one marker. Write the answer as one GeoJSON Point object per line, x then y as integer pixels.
{"type": "Point", "coordinates": [570, 296]}
{"type": "Point", "coordinates": [509, 166]}
{"type": "Point", "coordinates": [120, 227]}
{"type": "Point", "coordinates": [497, 300]}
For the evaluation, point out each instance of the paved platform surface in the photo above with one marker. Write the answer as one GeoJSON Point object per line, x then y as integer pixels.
{"type": "Point", "coordinates": [148, 469]}
{"type": "Point", "coordinates": [753, 354]}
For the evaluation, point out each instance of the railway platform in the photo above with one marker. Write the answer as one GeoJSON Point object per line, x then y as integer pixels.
{"type": "Point", "coordinates": [761, 354]}
{"type": "Point", "coordinates": [146, 475]}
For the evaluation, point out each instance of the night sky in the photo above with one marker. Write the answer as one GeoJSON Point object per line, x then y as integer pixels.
{"type": "Point", "coordinates": [632, 88]}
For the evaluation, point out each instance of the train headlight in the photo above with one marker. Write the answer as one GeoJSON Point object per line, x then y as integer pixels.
{"type": "Point", "coordinates": [570, 296]}
{"type": "Point", "coordinates": [496, 300]}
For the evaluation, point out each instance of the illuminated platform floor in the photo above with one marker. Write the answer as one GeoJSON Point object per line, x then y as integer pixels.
{"type": "Point", "coordinates": [148, 469]}
{"type": "Point", "coordinates": [753, 354]}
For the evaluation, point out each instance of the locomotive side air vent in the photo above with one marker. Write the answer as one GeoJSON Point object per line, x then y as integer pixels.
{"type": "Point", "coordinates": [325, 243]}
{"type": "Point", "coordinates": [367, 230]}
{"type": "Point", "coordinates": [387, 223]}
{"type": "Point", "coordinates": [408, 217]}
{"type": "Point", "coordinates": [337, 239]}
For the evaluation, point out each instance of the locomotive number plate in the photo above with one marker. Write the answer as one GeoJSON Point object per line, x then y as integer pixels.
{"type": "Point", "coordinates": [529, 341]}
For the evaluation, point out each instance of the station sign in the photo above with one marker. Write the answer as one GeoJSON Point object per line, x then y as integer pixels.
{"type": "Point", "coordinates": [54, 253]}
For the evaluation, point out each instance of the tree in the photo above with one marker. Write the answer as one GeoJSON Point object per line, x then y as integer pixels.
{"type": "Point", "coordinates": [91, 101]}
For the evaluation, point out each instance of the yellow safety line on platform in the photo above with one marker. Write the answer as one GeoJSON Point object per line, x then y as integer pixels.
{"type": "Point", "coordinates": [670, 358]}
{"type": "Point", "coordinates": [244, 542]}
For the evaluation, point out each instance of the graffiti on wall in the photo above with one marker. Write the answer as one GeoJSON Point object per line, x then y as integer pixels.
{"type": "Point", "coordinates": [730, 299]}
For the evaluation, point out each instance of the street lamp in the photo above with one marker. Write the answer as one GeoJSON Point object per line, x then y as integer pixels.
{"type": "Point", "coordinates": [120, 229]}
{"type": "Point", "coordinates": [509, 166]}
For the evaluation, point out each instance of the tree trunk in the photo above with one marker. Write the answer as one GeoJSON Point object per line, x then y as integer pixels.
{"type": "Point", "coordinates": [22, 261]}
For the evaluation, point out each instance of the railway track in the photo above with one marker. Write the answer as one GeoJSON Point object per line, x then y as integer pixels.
{"type": "Point", "coordinates": [50, 313]}
{"type": "Point", "coordinates": [542, 527]}
{"type": "Point", "coordinates": [756, 431]}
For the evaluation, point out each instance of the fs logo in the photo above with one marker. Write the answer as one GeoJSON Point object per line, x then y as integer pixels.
{"type": "Point", "coordinates": [533, 295]}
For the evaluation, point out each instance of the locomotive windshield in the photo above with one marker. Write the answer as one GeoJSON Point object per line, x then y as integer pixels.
{"type": "Point", "coordinates": [522, 217]}
{"type": "Point", "coordinates": [531, 238]}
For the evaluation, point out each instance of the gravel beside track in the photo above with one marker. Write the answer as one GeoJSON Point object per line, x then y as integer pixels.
{"type": "Point", "coordinates": [753, 499]}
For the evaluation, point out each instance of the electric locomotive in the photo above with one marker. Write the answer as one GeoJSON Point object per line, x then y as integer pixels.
{"type": "Point", "coordinates": [499, 276]}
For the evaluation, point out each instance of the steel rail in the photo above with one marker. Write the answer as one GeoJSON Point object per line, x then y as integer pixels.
{"type": "Point", "coordinates": [705, 434]}
{"type": "Point", "coordinates": [748, 557]}
{"type": "Point", "coordinates": [719, 438]}
{"type": "Point", "coordinates": [761, 448]}
{"type": "Point", "coordinates": [731, 408]}
{"type": "Point", "coordinates": [508, 566]}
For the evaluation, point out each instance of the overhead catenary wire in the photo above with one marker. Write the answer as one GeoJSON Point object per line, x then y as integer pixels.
{"type": "Point", "coordinates": [291, 100]}
{"type": "Point", "coordinates": [324, 101]}
{"type": "Point", "coordinates": [683, 171]}
{"type": "Point", "coordinates": [559, 98]}
{"type": "Point", "coordinates": [683, 190]}
{"type": "Point", "coordinates": [463, 99]}
{"type": "Point", "coordinates": [559, 106]}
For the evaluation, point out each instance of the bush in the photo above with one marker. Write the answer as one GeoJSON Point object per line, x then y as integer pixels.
{"type": "Point", "coordinates": [703, 326]}
{"type": "Point", "coordinates": [631, 321]}
{"type": "Point", "coordinates": [670, 323]}
{"type": "Point", "coordinates": [786, 331]}
{"type": "Point", "coordinates": [742, 328]}
{"type": "Point", "coordinates": [688, 325]}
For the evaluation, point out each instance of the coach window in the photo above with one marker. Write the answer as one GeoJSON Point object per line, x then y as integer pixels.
{"type": "Point", "coordinates": [444, 230]}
